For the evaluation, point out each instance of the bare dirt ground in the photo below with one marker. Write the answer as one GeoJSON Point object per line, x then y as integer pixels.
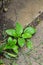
{"type": "Point", "coordinates": [26, 11]}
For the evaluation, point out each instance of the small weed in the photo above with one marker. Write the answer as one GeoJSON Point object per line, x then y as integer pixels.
{"type": "Point", "coordinates": [17, 38]}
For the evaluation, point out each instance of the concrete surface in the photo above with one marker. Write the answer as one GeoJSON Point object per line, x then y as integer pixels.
{"type": "Point", "coordinates": [26, 11]}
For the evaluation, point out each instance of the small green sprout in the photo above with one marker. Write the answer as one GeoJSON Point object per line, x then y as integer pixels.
{"type": "Point", "coordinates": [18, 38]}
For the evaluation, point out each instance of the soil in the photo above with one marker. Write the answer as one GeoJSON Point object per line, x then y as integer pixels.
{"type": "Point", "coordinates": [26, 12]}
{"type": "Point", "coordinates": [5, 24]}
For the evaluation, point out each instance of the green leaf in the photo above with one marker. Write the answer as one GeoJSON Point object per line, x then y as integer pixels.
{"type": "Point", "coordinates": [7, 46]}
{"type": "Point", "coordinates": [15, 49]}
{"type": "Point", "coordinates": [14, 41]}
{"type": "Point", "coordinates": [19, 29]}
{"type": "Point", "coordinates": [11, 32]}
{"type": "Point", "coordinates": [30, 30]}
{"type": "Point", "coordinates": [10, 44]}
{"type": "Point", "coordinates": [21, 42]}
{"type": "Point", "coordinates": [10, 40]}
{"type": "Point", "coordinates": [29, 44]}
{"type": "Point", "coordinates": [26, 35]}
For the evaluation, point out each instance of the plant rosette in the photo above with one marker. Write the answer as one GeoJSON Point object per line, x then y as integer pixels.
{"type": "Point", "coordinates": [17, 38]}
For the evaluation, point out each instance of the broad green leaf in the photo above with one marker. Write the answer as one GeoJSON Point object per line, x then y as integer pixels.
{"type": "Point", "coordinates": [10, 40]}
{"type": "Point", "coordinates": [19, 29]}
{"type": "Point", "coordinates": [15, 49]}
{"type": "Point", "coordinates": [29, 44]}
{"type": "Point", "coordinates": [11, 32]}
{"type": "Point", "coordinates": [21, 42]}
{"type": "Point", "coordinates": [9, 43]}
{"type": "Point", "coordinates": [14, 41]}
{"type": "Point", "coordinates": [26, 35]}
{"type": "Point", "coordinates": [10, 46]}
{"type": "Point", "coordinates": [30, 30]}
{"type": "Point", "coordinates": [7, 46]}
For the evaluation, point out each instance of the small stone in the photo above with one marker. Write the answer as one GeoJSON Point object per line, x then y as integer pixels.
{"type": "Point", "coordinates": [5, 9]}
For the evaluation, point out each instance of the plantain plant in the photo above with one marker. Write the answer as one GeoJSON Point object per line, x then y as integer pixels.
{"type": "Point", "coordinates": [17, 38]}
